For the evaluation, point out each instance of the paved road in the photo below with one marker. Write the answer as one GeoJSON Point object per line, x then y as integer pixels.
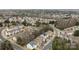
{"type": "Point", "coordinates": [1, 37]}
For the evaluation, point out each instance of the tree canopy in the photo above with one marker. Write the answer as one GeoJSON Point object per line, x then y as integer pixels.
{"type": "Point", "coordinates": [6, 45]}
{"type": "Point", "coordinates": [60, 44]}
{"type": "Point", "coordinates": [21, 41]}
{"type": "Point", "coordinates": [76, 33]}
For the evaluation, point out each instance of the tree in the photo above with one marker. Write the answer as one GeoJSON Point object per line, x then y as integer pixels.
{"type": "Point", "coordinates": [60, 44]}
{"type": "Point", "coordinates": [76, 33]}
{"type": "Point", "coordinates": [13, 23]}
{"type": "Point", "coordinates": [44, 23]}
{"type": "Point", "coordinates": [57, 45]}
{"type": "Point", "coordinates": [6, 45]}
{"type": "Point", "coordinates": [21, 41]}
{"type": "Point", "coordinates": [1, 24]}
{"type": "Point", "coordinates": [77, 24]}
{"type": "Point", "coordinates": [37, 23]}
{"type": "Point", "coordinates": [51, 22]}
{"type": "Point", "coordinates": [24, 22]}
{"type": "Point", "coordinates": [6, 22]}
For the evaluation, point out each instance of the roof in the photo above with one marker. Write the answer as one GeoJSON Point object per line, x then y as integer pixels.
{"type": "Point", "coordinates": [31, 45]}
{"type": "Point", "coordinates": [43, 39]}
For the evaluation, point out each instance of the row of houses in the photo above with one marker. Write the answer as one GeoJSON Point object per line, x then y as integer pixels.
{"type": "Point", "coordinates": [30, 20]}
{"type": "Point", "coordinates": [33, 20]}
{"type": "Point", "coordinates": [13, 30]}
{"type": "Point", "coordinates": [40, 41]}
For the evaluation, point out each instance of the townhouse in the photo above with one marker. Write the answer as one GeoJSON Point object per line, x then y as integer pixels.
{"type": "Point", "coordinates": [12, 30]}
{"type": "Point", "coordinates": [44, 41]}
